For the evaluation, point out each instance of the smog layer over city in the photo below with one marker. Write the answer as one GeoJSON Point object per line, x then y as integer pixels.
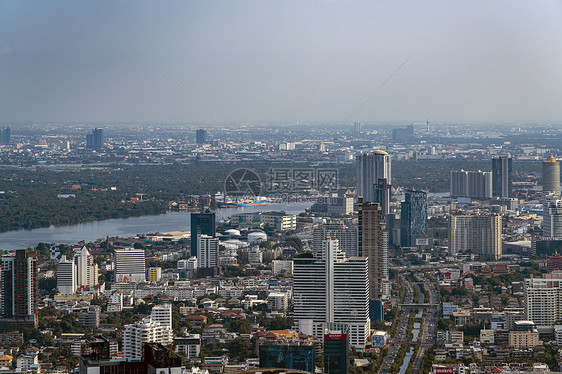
{"type": "Point", "coordinates": [271, 187]}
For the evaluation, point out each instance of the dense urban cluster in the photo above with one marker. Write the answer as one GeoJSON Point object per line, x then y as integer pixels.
{"type": "Point", "coordinates": [420, 249]}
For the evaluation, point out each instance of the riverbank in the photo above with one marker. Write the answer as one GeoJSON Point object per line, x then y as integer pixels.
{"type": "Point", "coordinates": [126, 227]}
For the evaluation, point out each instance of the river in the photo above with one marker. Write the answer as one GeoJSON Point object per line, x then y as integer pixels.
{"type": "Point", "coordinates": [125, 227]}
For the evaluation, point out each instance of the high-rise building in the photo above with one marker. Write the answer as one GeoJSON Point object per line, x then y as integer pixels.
{"type": "Point", "coordinates": [201, 224]}
{"type": "Point", "coordinates": [336, 352]}
{"type": "Point", "coordinates": [162, 314]}
{"type": "Point", "coordinates": [309, 295]}
{"type": "Point", "coordinates": [86, 269]}
{"type": "Point", "coordinates": [94, 140]}
{"type": "Point", "coordinates": [20, 295]}
{"type": "Point", "coordinates": [542, 300]}
{"type": "Point", "coordinates": [130, 265]}
{"type": "Point", "coordinates": [371, 168]}
{"type": "Point", "coordinates": [351, 298]}
{"type": "Point", "coordinates": [5, 135]}
{"type": "Point", "coordinates": [347, 238]}
{"type": "Point", "coordinates": [370, 244]}
{"type": "Point", "coordinates": [551, 176]}
{"type": "Point", "coordinates": [66, 276]}
{"type": "Point", "coordinates": [383, 196]}
{"type": "Point", "coordinates": [331, 289]}
{"type": "Point", "coordinates": [552, 219]}
{"type": "Point", "coordinates": [403, 135]}
{"type": "Point", "coordinates": [477, 233]}
{"type": "Point", "coordinates": [413, 218]}
{"type": "Point", "coordinates": [207, 252]}
{"type": "Point", "coordinates": [144, 331]}
{"type": "Point", "coordinates": [502, 177]}
{"type": "Point", "coordinates": [201, 136]}
{"type": "Point", "coordinates": [473, 184]}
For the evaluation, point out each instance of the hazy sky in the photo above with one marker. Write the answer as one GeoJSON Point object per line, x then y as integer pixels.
{"type": "Point", "coordinates": [66, 61]}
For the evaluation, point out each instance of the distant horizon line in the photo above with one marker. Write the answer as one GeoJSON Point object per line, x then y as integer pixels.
{"type": "Point", "coordinates": [194, 124]}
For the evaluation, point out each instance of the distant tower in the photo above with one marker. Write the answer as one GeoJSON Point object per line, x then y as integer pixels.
{"type": "Point", "coordinates": [551, 176]}
{"type": "Point", "coordinates": [502, 179]}
{"type": "Point", "coordinates": [201, 224]}
{"type": "Point", "coordinates": [201, 136]}
{"type": "Point", "coordinates": [94, 140]}
{"type": "Point", "coordinates": [5, 134]}
{"type": "Point", "coordinates": [371, 168]}
{"type": "Point", "coordinates": [427, 124]}
{"type": "Point", "coordinates": [357, 127]}
{"type": "Point", "coordinates": [413, 218]}
{"type": "Point", "coordinates": [552, 219]}
{"type": "Point", "coordinates": [370, 244]}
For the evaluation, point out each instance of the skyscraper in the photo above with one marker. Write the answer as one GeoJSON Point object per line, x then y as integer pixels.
{"type": "Point", "coordinates": [94, 140]}
{"type": "Point", "coordinates": [66, 276]}
{"type": "Point", "coordinates": [201, 224]}
{"type": "Point", "coordinates": [370, 244]}
{"type": "Point", "coordinates": [552, 219]}
{"type": "Point", "coordinates": [473, 184]}
{"type": "Point", "coordinates": [5, 135]}
{"type": "Point", "coordinates": [201, 136]}
{"type": "Point", "coordinates": [86, 269]}
{"type": "Point", "coordinates": [332, 290]}
{"type": "Point", "coordinates": [371, 167]}
{"type": "Point", "coordinates": [129, 265]}
{"type": "Point", "coordinates": [477, 233]}
{"type": "Point", "coordinates": [383, 196]}
{"type": "Point", "coordinates": [502, 177]}
{"type": "Point", "coordinates": [20, 293]}
{"type": "Point", "coordinates": [207, 251]}
{"type": "Point", "coordinates": [413, 218]}
{"type": "Point", "coordinates": [551, 176]}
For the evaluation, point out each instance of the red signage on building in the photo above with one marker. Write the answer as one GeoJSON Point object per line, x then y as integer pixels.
{"type": "Point", "coordinates": [442, 370]}
{"type": "Point", "coordinates": [335, 336]}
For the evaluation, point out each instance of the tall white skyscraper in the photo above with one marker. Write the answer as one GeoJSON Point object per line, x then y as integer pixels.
{"type": "Point", "coordinates": [86, 269]}
{"type": "Point", "coordinates": [371, 168]}
{"type": "Point", "coordinates": [130, 264]}
{"type": "Point", "coordinates": [207, 251]}
{"type": "Point", "coordinates": [332, 289]}
{"type": "Point", "coordinates": [162, 314]}
{"type": "Point", "coordinates": [552, 219]}
{"type": "Point", "coordinates": [66, 276]}
{"type": "Point", "coordinates": [144, 331]}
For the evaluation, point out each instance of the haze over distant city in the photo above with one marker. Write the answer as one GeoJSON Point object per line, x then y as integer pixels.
{"type": "Point", "coordinates": [308, 61]}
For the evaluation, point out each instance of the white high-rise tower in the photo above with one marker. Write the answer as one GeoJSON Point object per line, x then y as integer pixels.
{"type": "Point", "coordinates": [332, 290]}
{"type": "Point", "coordinates": [66, 276]}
